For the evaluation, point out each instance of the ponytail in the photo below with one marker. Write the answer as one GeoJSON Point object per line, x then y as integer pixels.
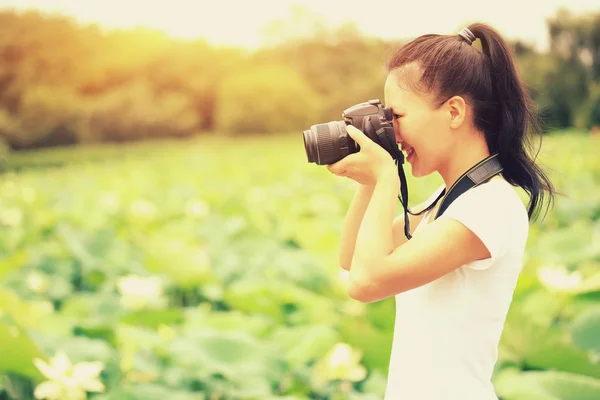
{"type": "Point", "coordinates": [515, 121]}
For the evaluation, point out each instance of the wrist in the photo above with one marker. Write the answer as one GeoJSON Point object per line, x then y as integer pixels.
{"type": "Point", "coordinates": [365, 187]}
{"type": "Point", "coordinates": [387, 172]}
{"type": "Point", "coordinates": [389, 178]}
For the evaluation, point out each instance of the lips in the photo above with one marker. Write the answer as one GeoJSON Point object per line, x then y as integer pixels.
{"type": "Point", "coordinates": [409, 151]}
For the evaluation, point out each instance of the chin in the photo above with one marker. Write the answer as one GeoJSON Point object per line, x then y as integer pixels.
{"type": "Point", "coordinates": [419, 174]}
{"type": "Point", "coordinates": [417, 171]}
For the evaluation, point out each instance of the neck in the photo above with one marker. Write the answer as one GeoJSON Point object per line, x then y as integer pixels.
{"type": "Point", "coordinates": [462, 160]}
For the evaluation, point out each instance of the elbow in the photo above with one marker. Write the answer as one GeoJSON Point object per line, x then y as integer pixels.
{"type": "Point", "coordinates": [361, 293]}
{"type": "Point", "coordinates": [356, 293]}
{"type": "Point", "coordinates": [345, 263]}
{"type": "Point", "coordinates": [361, 287]}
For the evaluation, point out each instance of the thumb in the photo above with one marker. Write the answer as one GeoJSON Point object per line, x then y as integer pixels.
{"type": "Point", "coordinates": [358, 136]}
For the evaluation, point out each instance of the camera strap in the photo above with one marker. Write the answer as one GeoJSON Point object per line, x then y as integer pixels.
{"type": "Point", "coordinates": [473, 177]}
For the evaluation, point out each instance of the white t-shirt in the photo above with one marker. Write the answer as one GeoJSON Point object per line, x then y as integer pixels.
{"type": "Point", "coordinates": [447, 332]}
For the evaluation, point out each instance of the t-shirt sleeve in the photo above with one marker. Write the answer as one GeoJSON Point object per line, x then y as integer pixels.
{"type": "Point", "coordinates": [489, 214]}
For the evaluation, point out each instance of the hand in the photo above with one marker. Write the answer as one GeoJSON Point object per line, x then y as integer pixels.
{"type": "Point", "coordinates": [368, 165]}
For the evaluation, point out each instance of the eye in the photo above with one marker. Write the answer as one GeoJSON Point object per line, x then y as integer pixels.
{"type": "Point", "coordinates": [397, 116]}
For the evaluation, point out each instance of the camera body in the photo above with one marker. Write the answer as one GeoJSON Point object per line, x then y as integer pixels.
{"type": "Point", "coordinates": [329, 142]}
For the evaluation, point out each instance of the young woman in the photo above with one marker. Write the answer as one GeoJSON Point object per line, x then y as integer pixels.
{"type": "Point", "coordinates": [453, 281]}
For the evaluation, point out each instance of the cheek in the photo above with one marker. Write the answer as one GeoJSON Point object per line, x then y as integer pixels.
{"type": "Point", "coordinates": [432, 132]}
{"type": "Point", "coordinates": [422, 131]}
{"type": "Point", "coordinates": [414, 132]}
{"type": "Point", "coordinates": [407, 130]}
{"type": "Point", "coordinates": [429, 145]}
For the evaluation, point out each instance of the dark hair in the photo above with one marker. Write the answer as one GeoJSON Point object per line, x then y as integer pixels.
{"type": "Point", "coordinates": [488, 80]}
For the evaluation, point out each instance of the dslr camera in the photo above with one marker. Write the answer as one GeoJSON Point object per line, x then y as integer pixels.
{"type": "Point", "coordinates": [329, 142]}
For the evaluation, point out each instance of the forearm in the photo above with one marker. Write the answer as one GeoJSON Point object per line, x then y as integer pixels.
{"type": "Point", "coordinates": [352, 222]}
{"type": "Point", "coordinates": [375, 239]}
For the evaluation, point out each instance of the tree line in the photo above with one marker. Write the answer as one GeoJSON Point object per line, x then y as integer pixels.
{"type": "Point", "coordinates": [64, 83]}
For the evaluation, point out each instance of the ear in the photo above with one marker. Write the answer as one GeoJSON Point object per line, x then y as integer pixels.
{"type": "Point", "coordinates": [457, 109]}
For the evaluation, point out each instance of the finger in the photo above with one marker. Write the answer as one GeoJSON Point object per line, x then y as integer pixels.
{"type": "Point", "coordinates": [341, 166]}
{"type": "Point", "coordinates": [358, 136]}
{"type": "Point", "coordinates": [338, 168]}
{"type": "Point", "coordinates": [333, 169]}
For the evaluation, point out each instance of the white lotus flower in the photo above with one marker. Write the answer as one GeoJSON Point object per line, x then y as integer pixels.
{"type": "Point", "coordinates": [342, 362]}
{"type": "Point", "coordinates": [11, 217]}
{"type": "Point", "coordinates": [558, 278]}
{"type": "Point", "coordinates": [110, 202]}
{"type": "Point", "coordinates": [197, 209]}
{"type": "Point", "coordinates": [139, 292]}
{"type": "Point", "coordinates": [68, 382]}
{"type": "Point", "coordinates": [143, 208]}
{"type": "Point", "coordinates": [340, 356]}
{"type": "Point", "coordinates": [37, 282]}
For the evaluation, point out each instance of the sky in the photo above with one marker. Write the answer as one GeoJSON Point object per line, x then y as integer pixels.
{"type": "Point", "coordinates": [241, 22]}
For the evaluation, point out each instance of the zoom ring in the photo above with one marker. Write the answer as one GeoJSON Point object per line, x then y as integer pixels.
{"type": "Point", "coordinates": [324, 142]}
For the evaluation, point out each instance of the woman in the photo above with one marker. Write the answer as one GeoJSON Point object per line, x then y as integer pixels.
{"type": "Point", "coordinates": [453, 281]}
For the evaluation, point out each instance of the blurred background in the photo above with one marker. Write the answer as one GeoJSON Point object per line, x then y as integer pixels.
{"type": "Point", "coordinates": [163, 235]}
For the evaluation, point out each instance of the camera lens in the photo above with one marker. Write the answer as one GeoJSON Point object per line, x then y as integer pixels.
{"type": "Point", "coordinates": [310, 145]}
{"type": "Point", "coordinates": [327, 143]}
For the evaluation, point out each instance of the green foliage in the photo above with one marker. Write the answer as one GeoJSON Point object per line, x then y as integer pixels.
{"type": "Point", "coordinates": [567, 88]}
{"type": "Point", "coordinates": [585, 330]}
{"type": "Point", "coordinates": [342, 70]}
{"type": "Point", "coordinates": [574, 46]}
{"type": "Point", "coordinates": [180, 282]}
{"type": "Point", "coordinates": [547, 385]}
{"type": "Point", "coordinates": [210, 271]}
{"type": "Point", "coordinates": [136, 109]}
{"type": "Point", "coordinates": [17, 351]}
{"type": "Point", "coordinates": [589, 115]}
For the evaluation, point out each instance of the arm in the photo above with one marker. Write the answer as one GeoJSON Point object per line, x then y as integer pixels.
{"type": "Point", "coordinates": [354, 217]}
{"type": "Point", "coordinates": [380, 270]}
{"type": "Point", "coordinates": [352, 222]}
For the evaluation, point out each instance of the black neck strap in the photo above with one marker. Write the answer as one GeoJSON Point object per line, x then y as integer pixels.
{"type": "Point", "coordinates": [475, 176]}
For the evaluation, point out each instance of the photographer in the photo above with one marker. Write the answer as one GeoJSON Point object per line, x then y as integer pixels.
{"type": "Point", "coordinates": [453, 273]}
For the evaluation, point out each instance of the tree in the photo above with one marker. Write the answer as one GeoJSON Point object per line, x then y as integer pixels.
{"type": "Point", "coordinates": [575, 45]}
{"type": "Point", "coordinates": [265, 99]}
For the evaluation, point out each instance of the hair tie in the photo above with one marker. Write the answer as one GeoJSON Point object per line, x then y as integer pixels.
{"type": "Point", "coordinates": [466, 34]}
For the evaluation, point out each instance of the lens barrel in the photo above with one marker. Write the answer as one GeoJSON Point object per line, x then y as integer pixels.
{"type": "Point", "coordinates": [328, 143]}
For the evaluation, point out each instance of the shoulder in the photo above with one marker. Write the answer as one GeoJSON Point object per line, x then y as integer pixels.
{"type": "Point", "coordinates": [495, 212]}
{"type": "Point", "coordinates": [496, 198]}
